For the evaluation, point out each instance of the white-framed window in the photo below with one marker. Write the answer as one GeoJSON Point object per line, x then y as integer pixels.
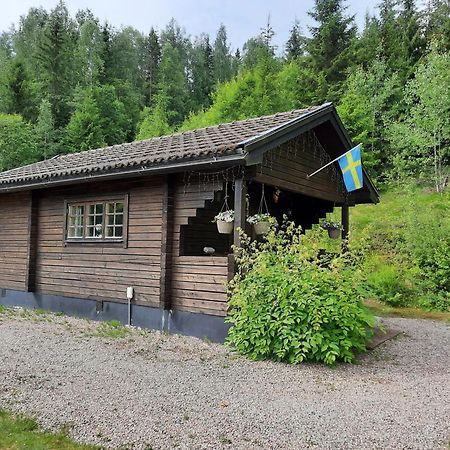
{"type": "Point", "coordinates": [99, 220]}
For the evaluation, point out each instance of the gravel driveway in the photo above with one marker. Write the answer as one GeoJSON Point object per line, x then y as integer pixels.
{"type": "Point", "coordinates": [149, 390]}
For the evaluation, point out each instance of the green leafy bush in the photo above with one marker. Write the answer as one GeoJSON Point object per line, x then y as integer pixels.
{"type": "Point", "coordinates": [291, 304]}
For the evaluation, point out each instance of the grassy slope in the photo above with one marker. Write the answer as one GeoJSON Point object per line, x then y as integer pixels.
{"type": "Point", "coordinates": [387, 224]}
{"type": "Point", "coordinates": [20, 433]}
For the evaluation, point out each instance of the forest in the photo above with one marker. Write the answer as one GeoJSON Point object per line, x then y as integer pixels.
{"type": "Point", "coordinates": [73, 83]}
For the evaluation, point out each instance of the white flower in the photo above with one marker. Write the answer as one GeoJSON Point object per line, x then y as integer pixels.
{"type": "Point", "coordinates": [226, 216]}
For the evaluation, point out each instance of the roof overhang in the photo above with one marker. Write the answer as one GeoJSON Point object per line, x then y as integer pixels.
{"type": "Point", "coordinates": [256, 147]}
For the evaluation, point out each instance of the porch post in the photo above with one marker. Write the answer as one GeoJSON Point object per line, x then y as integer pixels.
{"type": "Point", "coordinates": [345, 226]}
{"type": "Point", "coordinates": [166, 243]}
{"type": "Point", "coordinates": [240, 199]}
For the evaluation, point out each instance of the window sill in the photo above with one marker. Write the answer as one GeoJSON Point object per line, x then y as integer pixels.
{"type": "Point", "coordinates": [95, 241]}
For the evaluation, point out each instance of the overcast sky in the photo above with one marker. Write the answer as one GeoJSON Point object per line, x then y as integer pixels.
{"type": "Point", "coordinates": [243, 18]}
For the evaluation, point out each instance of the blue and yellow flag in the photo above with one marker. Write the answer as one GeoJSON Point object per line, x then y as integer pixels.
{"type": "Point", "coordinates": [350, 164]}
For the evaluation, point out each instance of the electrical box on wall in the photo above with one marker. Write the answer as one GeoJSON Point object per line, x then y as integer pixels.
{"type": "Point", "coordinates": [130, 292]}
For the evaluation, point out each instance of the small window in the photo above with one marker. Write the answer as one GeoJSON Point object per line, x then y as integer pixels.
{"type": "Point", "coordinates": [96, 221]}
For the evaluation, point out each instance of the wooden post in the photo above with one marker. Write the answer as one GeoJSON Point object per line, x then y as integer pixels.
{"type": "Point", "coordinates": [345, 226]}
{"type": "Point", "coordinates": [240, 202]}
{"type": "Point", "coordinates": [166, 243]}
{"type": "Point", "coordinates": [30, 281]}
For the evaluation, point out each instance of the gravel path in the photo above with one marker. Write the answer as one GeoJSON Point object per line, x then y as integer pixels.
{"type": "Point", "coordinates": [149, 390]}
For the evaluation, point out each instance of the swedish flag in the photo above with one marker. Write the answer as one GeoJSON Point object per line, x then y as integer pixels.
{"type": "Point", "coordinates": [350, 164]}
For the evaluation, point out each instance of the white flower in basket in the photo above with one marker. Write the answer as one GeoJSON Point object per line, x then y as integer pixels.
{"type": "Point", "coordinates": [333, 228]}
{"type": "Point", "coordinates": [225, 221]}
{"type": "Point", "coordinates": [260, 222]}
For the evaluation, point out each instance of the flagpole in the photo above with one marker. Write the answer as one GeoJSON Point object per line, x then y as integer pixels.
{"type": "Point", "coordinates": [331, 162]}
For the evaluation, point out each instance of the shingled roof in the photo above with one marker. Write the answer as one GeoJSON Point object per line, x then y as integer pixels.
{"type": "Point", "coordinates": [179, 151]}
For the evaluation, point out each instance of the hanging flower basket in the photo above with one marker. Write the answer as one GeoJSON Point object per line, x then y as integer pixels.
{"type": "Point", "coordinates": [260, 222]}
{"type": "Point", "coordinates": [333, 228]}
{"type": "Point", "coordinates": [225, 221]}
{"type": "Point", "coordinates": [261, 228]}
{"type": "Point", "coordinates": [334, 233]}
{"type": "Point", "coordinates": [225, 227]}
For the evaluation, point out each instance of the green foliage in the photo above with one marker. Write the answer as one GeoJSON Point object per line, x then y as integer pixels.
{"type": "Point", "coordinates": [366, 109]}
{"type": "Point", "coordinates": [17, 144]}
{"type": "Point", "coordinates": [422, 139]}
{"type": "Point", "coordinates": [155, 121]}
{"type": "Point", "coordinates": [45, 130]}
{"type": "Point", "coordinates": [187, 83]}
{"type": "Point", "coordinates": [112, 329]}
{"type": "Point", "coordinates": [386, 282]}
{"type": "Point", "coordinates": [290, 304]}
{"type": "Point", "coordinates": [408, 238]}
{"type": "Point", "coordinates": [84, 130]}
{"type": "Point", "coordinates": [331, 44]}
{"type": "Point", "coordinates": [18, 432]}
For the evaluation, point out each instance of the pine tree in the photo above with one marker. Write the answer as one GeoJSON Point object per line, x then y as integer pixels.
{"type": "Point", "coordinates": [437, 17]}
{"type": "Point", "coordinates": [89, 53]}
{"type": "Point", "coordinates": [152, 60]}
{"type": "Point", "coordinates": [331, 44]}
{"type": "Point", "coordinates": [295, 45]}
{"type": "Point", "coordinates": [106, 76]}
{"type": "Point", "coordinates": [412, 38]}
{"type": "Point", "coordinates": [222, 59]}
{"type": "Point", "coordinates": [19, 90]}
{"type": "Point", "coordinates": [45, 130]}
{"type": "Point", "coordinates": [155, 121]}
{"type": "Point", "coordinates": [369, 45]}
{"type": "Point", "coordinates": [84, 130]}
{"type": "Point", "coordinates": [173, 85]}
{"type": "Point", "coordinates": [202, 73]}
{"type": "Point", "coordinates": [55, 55]}
{"type": "Point", "coordinates": [114, 120]}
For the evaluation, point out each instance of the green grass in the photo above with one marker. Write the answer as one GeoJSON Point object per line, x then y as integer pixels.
{"type": "Point", "coordinates": [380, 309]}
{"type": "Point", "coordinates": [405, 239]}
{"type": "Point", "coordinates": [21, 433]}
{"type": "Point", "coordinates": [112, 329]}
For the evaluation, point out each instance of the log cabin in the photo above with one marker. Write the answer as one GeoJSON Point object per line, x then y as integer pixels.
{"type": "Point", "coordinates": [78, 230]}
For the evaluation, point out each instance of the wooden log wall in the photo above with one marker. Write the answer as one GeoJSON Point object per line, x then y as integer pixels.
{"type": "Point", "coordinates": [14, 238]}
{"type": "Point", "coordinates": [101, 270]}
{"type": "Point", "coordinates": [288, 166]}
{"type": "Point", "coordinates": [198, 282]}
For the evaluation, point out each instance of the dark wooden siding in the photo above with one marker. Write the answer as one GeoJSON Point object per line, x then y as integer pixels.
{"type": "Point", "coordinates": [198, 282]}
{"type": "Point", "coordinates": [102, 270]}
{"type": "Point", "coordinates": [288, 167]}
{"type": "Point", "coordinates": [14, 238]}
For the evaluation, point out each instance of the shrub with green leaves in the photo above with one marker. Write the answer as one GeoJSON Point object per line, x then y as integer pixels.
{"type": "Point", "coordinates": [290, 302]}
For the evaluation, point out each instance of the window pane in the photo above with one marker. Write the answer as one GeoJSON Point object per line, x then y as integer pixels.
{"type": "Point", "coordinates": [95, 226]}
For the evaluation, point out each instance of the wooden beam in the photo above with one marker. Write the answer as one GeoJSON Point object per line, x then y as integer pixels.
{"type": "Point", "coordinates": [167, 242]}
{"type": "Point", "coordinates": [30, 276]}
{"type": "Point", "coordinates": [240, 208]}
{"type": "Point", "coordinates": [345, 226]}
